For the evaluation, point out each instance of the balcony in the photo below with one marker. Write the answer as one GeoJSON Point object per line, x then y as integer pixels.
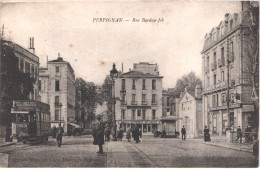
{"type": "Point", "coordinates": [154, 102]}
{"type": "Point", "coordinates": [221, 62]}
{"type": "Point", "coordinates": [144, 103]}
{"type": "Point", "coordinates": [133, 102]}
{"type": "Point", "coordinates": [213, 66]}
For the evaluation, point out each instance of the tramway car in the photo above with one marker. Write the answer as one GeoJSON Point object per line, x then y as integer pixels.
{"type": "Point", "coordinates": [30, 121]}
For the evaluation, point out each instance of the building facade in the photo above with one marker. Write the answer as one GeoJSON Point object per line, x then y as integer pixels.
{"type": "Point", "coordinates": [57, 88]}
{"type": "Point", "coordinates": [190, 112]}
{"type": "Point", "coordinates": [225, 58]}
{"type": "Point", "coordinates": [141, 105]}
{"type": "Point", "coordinates": [28, 63]}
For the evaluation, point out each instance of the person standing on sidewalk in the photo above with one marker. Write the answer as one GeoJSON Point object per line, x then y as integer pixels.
{"type": "Point", "coordinates": [107, 133]}
{"type": "Point", "coordinates": [239, 134]}
{"type": "Point", "coordinates": [60, 131]}
{"type": "Point", "coordinates": [183, 133]}
{"type": "Point", "coordinates": [128, 135]}
{"type": "Point", "coordinates": [8, 134]}
{"type": "Point", "coordinates": [140, 135]}
{"type": "Point", "coordinates": [136, 134]}
{"type": "Point", "coordinates": [100, 135]}
{"type": "Point", "coordinates": [206, 134]}
{"type": "Point", "coordinates": [54, 132]}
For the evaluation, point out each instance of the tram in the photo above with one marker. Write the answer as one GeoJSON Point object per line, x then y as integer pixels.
{"type": "Point", "coordinates": [30, 121]}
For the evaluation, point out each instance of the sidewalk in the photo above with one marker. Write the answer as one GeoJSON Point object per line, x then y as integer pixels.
{"type": "Point", "coordinates": [221, 142]}
{"type": "Point", "coordinates": [3, 143]}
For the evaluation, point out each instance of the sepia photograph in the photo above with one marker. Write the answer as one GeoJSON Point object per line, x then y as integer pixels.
{"type": "Point", "coordinates": [129, 84]}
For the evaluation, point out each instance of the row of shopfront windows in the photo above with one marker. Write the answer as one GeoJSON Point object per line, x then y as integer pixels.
{"type": "Point", "coordinates": [146, 128]}
{"type": "Point", "coordinates": [141, 114]}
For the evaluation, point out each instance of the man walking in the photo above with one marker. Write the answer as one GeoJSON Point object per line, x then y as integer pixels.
{"type": "Point", "coordinates": [59, 135]}
{"type": "Point", "coordinates": [100, 135]}
{"type": "Point", "coordinates": [54, 132]}
{"type": "Point", "coordinates": [183, 133]}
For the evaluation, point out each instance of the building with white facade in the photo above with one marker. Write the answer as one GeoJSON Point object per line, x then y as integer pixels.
{"type": "Point", "coordinates": [142, 103]}
{"type": "Point", "coordinates": [57, 88]}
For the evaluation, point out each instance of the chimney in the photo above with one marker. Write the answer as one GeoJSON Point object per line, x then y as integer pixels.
{"type": "Point", "coordinates": [122, 67]}
{"type": "Point", "coordinates": [32, 45]}
{"type": "Point", "coordinates": [198, 91]}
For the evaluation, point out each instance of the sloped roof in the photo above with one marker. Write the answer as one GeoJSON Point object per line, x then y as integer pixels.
{"type": "Point", "coordinates": [138, 74]}
{"type": "Point", "coordinates": [59, 59]}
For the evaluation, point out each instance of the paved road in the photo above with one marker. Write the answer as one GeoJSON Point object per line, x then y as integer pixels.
{"type": "Point", "coordinates": [79, 152]}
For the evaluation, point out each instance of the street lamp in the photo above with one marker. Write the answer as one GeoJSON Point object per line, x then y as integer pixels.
{"type": "Point", "coordinates": [113, 76]}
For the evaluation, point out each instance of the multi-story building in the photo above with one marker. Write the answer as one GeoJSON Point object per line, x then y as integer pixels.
{"type": "Point", "coordinates": [225, 58]}
{"type": "Point", "coordinates": [190, 112]}
{"type": "Point", "coordinates": [57, 88]}
{"type": "Point", "coordinates": [141, 104]}
{"type": "Point", "coordinates": [28, 63]}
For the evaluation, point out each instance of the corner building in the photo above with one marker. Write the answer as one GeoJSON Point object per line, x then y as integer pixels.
{"type": "Point", "coordinates": [142, 103]}
{"type": "Point", "coordinates": [57, 88]}
{"type": "Point", "coordinates": [228, 42]}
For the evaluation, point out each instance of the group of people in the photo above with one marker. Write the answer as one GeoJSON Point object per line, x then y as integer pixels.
{"type": "Point", "coordinates": [57, 133]}
{"type": "Point", "coordinates": [206, 134]}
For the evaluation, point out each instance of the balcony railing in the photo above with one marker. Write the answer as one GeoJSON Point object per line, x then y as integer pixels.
{"type": "Point", "coordinates": [154, 102]}
{"type": "Point", "coordinates": [213, 66]}
{"type": "Point", "coordinates": [221, 62]}
{"type": "Point", "coordinates": [144, 102]}
{"type": "Point", "coordinates": [133, 103]}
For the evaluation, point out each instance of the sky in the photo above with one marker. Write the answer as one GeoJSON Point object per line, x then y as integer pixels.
{"type": "Point", "coordinates": [92, 47]}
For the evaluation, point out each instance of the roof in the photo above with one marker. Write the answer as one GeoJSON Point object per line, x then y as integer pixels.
{"type": "Point", "coordinates": [139, 74]}
{"type": "Point", "coordinates": [191, 92]}
{"type": "Point", "coordinates": [59, 59]}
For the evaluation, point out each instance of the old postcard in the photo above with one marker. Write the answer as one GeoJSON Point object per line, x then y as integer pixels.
{"type": "Point", "coordinates": [129, 84]}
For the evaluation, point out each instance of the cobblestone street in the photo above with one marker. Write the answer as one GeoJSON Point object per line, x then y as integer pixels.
{"type": "Point", "coordinates": [158, 152]}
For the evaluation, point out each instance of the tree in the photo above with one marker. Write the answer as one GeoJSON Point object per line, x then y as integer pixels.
{"type": "Point", "coordinates": [15, 85]}
{"type": "Point", "coordinates": [190, 80]}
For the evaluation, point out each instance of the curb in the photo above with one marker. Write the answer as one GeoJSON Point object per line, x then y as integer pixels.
{"type": "Point", "coordinates": [7, 144]}
{"type": "Point", "coordinates": [230, 147]}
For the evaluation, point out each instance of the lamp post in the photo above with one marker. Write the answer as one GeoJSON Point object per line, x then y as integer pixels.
{"type": "Point", "coordinates": [113, 76]}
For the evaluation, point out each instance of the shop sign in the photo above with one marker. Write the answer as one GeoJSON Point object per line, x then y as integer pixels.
{"type": "Point", "coordinates": [24, 104]}
{"type": "Point", "coordinates": [248, 108]}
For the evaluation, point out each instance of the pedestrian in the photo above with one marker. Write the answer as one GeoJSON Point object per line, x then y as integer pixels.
{"type": "Point", "coordinates": [128, 135]}
{"type": "Point", "coordinates": [121, 134]}
{"type": "Point", "coordinates": [100, 135]}
{"type": "Point", "coordinates": [54, 132]}
{"type": "Point", "coordinates": [8, 134]}
{"type": "Point", "coordinates": [140, 135]}
{"type": "Point", "coordinates": [107, 133]}
{"type": "Point", "coordinates": [206, 134]}
{"type": "Point", "coordinates": [239, 134]}
{"type": "Point", "coordinates": [183, 133]}
{"type": "Point", "coordinates": [60, 131]}
{"type": "Point", "coordinates": [136, 134]}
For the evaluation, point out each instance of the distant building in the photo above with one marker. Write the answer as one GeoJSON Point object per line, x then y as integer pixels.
{"type": "Point", "coordinates": [57, 88]}
{"type": "Point", "coordinates": [142, 103]}
{"type": "Point", "coordinates": [228, 42]}
{"type": "Point", "coordinates": [28, 63]}
{"type": "Point", "coordinates": [190, 112]}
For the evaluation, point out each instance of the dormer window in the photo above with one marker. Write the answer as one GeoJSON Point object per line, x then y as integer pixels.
{"type": "Point", "coordinates": [57, 69]}
{"type": "Point", "coordinates": [231, 24]}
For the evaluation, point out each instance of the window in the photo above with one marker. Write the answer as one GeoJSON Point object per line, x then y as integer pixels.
{"type": "Point", "coordinates": [168, 110]}
{"type": "Point", "coordinates": [40, 85]}
{"type": "Point", "coordinates": [22, 65]}
{"type": "Point", "coordinates": [232, 98]}
{"type": "Point", "coordinates": [215, 57]}
{"type": "Point", "coordinates": [143, 97]}
{"type": "Point", "coordinates": [36, 73]}
{"type": "Point", "coordinates": [123, 83]}
{"type": "Point", "coordinates": [144, 87]}
{"type": "Point", "coordinates": [222, 76]}
{"type": "Point", "coordinates": [207, 62]}
{"type": "Point", "coordinates": [123, 114]}
{"type": "Point", "coordinates": [215, 79]}
{"type": "Point", "coordinates": [231, 24]}
{"type": "Point", "coordinates": [133, 114]}
{"type": "Point", "coordinates": [223, 99]}
{"type": "Point", "coordinates": [153, 98]}
{"type": "Point", "coordinates": [214, 36]}
{"type": "Point", "coordinates": [154, 113]}
{"type": "Point", "coordinates": [222, 30]}
{"type": "Point", "coordinates": [133, 84]}
{"type": "Point", "coordinates": [213, 101]}
{"type": "Point", "coordinates": [181, 106]}
{"type": "Point", "coordinates": [57, 69]}
{"type": "Point", "coordinates": [57, 85]}
{"type": "Point", "coordinates": [143, 117]}
{"type": "Point", "coordinates": [208, 82]}
{"type": "Point", "coordinates": [133, 97]}
{"type": "Point", "coordinates": [57, 117]}
{"type": "Point", "coordinates": [32, 70]}
{"type": "Point", "coordinates": [216, 99]}
{"type": "Point", "coordinates": [27, 67]}
{"type": "Point", "coordinates": [168, 101]}
{"type": "Point", "coordinates": [138, 112]}
{"type": "Point", "coordinates": [153, 84]}
{"type": "Point", "coordinates": [57, 100]}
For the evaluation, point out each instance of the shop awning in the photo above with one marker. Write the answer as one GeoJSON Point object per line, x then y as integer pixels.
{"type": "Point", "coordinates": [170, 118]}
{"type": "Point", "coordinates": [75, 125]}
